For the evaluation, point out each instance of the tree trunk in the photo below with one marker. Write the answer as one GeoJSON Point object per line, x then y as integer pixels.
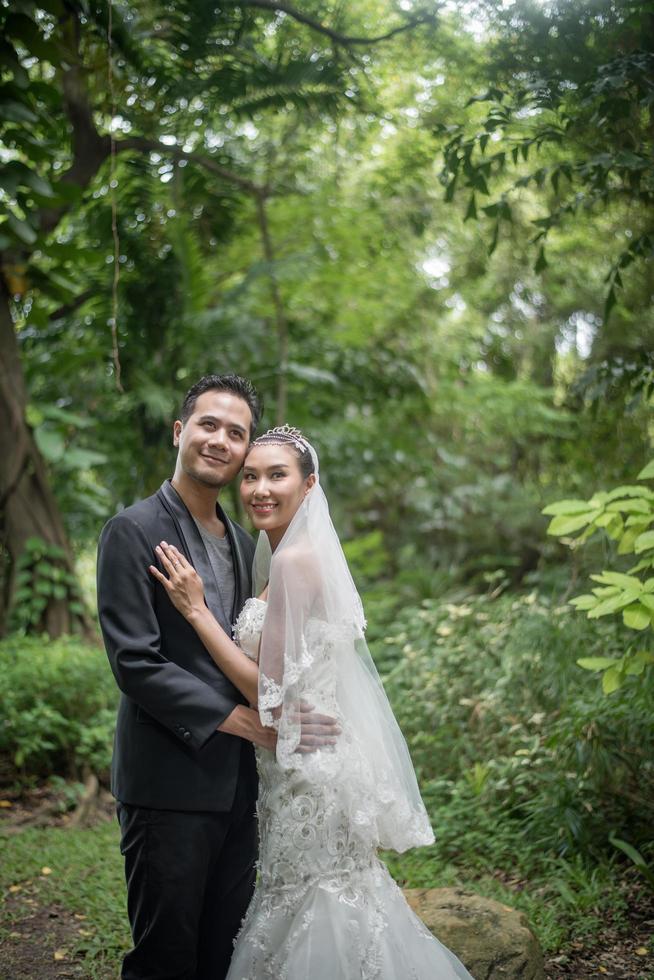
{"type": "Point", "coordinates": [28, 508]}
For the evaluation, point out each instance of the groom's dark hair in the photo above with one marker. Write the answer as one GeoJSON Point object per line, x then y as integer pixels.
{"type": "Point", "coordinates": [235, 385]}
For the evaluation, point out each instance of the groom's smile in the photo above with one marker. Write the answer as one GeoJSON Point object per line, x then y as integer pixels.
{"type": "Point", "coordinates": [215, 459]}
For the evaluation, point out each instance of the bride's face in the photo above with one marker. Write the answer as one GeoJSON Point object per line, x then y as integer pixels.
{"type": "Point", "coordinates": [273, 488]}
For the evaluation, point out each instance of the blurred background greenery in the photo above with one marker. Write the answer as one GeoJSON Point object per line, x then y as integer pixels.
{"type": "Point", "coordinates": [425, 231]}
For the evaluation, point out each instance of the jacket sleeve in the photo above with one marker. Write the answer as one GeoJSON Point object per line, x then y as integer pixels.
{"type": "Point", "coordinates": [175, 697]}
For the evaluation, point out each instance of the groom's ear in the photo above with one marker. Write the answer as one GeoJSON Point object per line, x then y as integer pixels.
{"type": "Point", "coordinates": [177, 430]}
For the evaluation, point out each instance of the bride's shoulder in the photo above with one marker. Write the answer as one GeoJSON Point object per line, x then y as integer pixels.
{"type": "Point", "coordinates": [298, 562]}
{"type": "Point", "coordinates": [295, 556]}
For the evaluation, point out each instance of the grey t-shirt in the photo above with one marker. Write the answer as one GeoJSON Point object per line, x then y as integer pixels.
{"type": "Point", "coordinates": [220, 555]}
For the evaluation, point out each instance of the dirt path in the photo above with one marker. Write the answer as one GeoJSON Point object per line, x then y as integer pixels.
{"type": "Point", "coordinates": [618, 953]}
{"type": "Point", "coordinates": [38, 941]}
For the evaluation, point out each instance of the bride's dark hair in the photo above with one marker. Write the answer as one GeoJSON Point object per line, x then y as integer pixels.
{"type": "Point", "coordinates": [286, 435]}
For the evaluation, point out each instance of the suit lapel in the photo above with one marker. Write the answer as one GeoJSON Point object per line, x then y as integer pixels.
{"type": "Point", "coordinates": [194, 548]}
{"type": "Point", "coordinates": [196, 553]}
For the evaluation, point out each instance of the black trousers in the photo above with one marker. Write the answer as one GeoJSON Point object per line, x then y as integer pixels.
{"type": "Point", "coordinates": [190, 877]}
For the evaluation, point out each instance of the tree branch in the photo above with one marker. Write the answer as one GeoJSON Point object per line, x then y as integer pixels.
{"type": "Point", "coordinates": [155, 146]}
{"type": "Point", "coordinates": [274, 6]}
{"type": "Point", "coordinates": [89, 148]}
{"type": "Point", "coordinates": [74, 304]}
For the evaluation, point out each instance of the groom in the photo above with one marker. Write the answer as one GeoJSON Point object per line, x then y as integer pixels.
{"type": "Point", "coordinates": [183, 769]}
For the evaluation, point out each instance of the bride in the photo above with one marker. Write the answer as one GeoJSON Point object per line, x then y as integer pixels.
{"type": "Point", "coordinates": [325, 907]}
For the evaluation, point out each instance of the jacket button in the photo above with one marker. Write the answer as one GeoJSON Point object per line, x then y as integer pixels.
{"type": "Point", "coordinates": [187, 736]}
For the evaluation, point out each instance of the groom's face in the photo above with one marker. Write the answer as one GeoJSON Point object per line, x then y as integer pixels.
{"type": "Point", "coordinates": [213, 440]}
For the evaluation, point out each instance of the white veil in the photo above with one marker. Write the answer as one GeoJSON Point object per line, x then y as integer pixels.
{"type": "Point", "coordinates": [313, 649]}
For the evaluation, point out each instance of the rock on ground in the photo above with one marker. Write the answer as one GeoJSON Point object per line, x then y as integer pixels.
{"type": "Point", "coordinates": [492, 940]}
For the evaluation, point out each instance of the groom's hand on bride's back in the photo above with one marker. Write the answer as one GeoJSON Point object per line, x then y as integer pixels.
{"type": "Point", "coordinates": [317, 730]}
{"type": "Point", "coordinates": [245, 723]}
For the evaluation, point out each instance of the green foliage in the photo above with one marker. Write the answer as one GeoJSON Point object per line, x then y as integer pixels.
{"type": "Point", "coordinates": [25, 106]}
{"type": "Point", "coordinates": [57, 703]}
{"type": "Point", "coordinates": [367, 557]}
{"type": "Point", "coordinates": [584, 123]}
{"type": "Point", "coordinates": [625, 515]}
{"type": "Point", "coordinates": [636, 858]}
{"type": "Point", "coordinates": [519, 762]}
{"type": "Point", "coordinates": [42, 577]}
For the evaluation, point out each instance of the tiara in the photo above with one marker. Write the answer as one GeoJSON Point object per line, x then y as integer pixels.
{"type": "Point", "coordinates": [284, 434]}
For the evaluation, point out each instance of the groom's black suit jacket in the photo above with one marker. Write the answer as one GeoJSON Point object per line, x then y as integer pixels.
{"type": "Point", "coordinates": [167, 752]}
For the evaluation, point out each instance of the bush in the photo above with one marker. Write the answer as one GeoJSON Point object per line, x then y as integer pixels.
{"type": "Point", "coordinates": [521, 760]}
{"type": "Point", "coordinates": [57, 704]}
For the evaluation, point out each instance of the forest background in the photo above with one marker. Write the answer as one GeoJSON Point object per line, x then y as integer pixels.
{"type": "Point", "coordinates": [425, 232]}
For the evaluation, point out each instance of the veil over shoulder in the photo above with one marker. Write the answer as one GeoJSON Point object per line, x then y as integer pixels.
{"type": "Point", "coordinates": [313, 649]}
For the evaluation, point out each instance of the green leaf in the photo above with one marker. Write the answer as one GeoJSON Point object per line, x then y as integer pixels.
{"type": "Point", "coordinates": [16, 174]}
{"type": "Point", "coordinates": [606, 591]}
{"type": "Point", "coordinates": [83, 459]}
{"type": "Point", "coordinates": [612, 605]}
{"type": "Point", "coordinates": [644, 542]}
{"type": "Point", "coordinates": [636, 617]}
{"type": "Point", "coordinates": [641, 521]}
{"type": "Point", "coordinates": [642, 565]}
{"type": "Point", "coordinates": [597, 663]}
{"type": "Point", "coordinates": [584, 602]}
{"type": "Point", "coordinates": [21, 229]}
{"type": "Point", "coordinates": [449, 190]}
{"type": "Point", "coordinates": [638, 662]}
{"type": "Point", "coordinates": [647, 473]}
{"type": "Point", "coordinates": [647, 600]}
{"type": "Point", "coordinates": [630, 851]}
{"type": "Point", "coordinates": [13, 111]}
{"type": "Point", "coordinates": [612, 680]}
{"type": "Point", "coordinates": [566, 507]}
{"type": "Point", "coordinates": [629, 491]}
{"type": "Point", "coordinates": [566, 525]}
{"type": "Point", "coordinates": [315, 374]}
{"type": "Point", "coordinates": [541, 261]}
{"type": "Point", "coordinates": [634, 506]}
{"type": "Point", "coordinates": [51, 444]}
{"type": "Point", "coordinates": [626, 545]}
{"type": "Point", "coordinates": [615, 528]}
{"type": "Point", "coordinates": [471, 211]}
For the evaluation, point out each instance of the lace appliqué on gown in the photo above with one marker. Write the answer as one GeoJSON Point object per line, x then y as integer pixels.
{"type": "Point", "coordinates": [325, 907]}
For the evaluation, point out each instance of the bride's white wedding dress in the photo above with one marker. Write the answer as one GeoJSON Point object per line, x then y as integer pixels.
{"type": "Point", "coordinates": [325, 907]}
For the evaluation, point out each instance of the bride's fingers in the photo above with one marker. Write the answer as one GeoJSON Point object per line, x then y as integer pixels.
{"type": "Point", "coordinates": [174, 555]}
{"type": "Point", "coordinates": [167, 562]}
{"type": "Point", "coordinates": [158, 575]}
{"type": "Point", "coordinates": [312, 742]}
{"type": "Point", "coordinates": [179, 556]}
{"type": "Point", "coordinates": [320, 729]}
{"type": "Point", "coordinates": [319, 721]}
